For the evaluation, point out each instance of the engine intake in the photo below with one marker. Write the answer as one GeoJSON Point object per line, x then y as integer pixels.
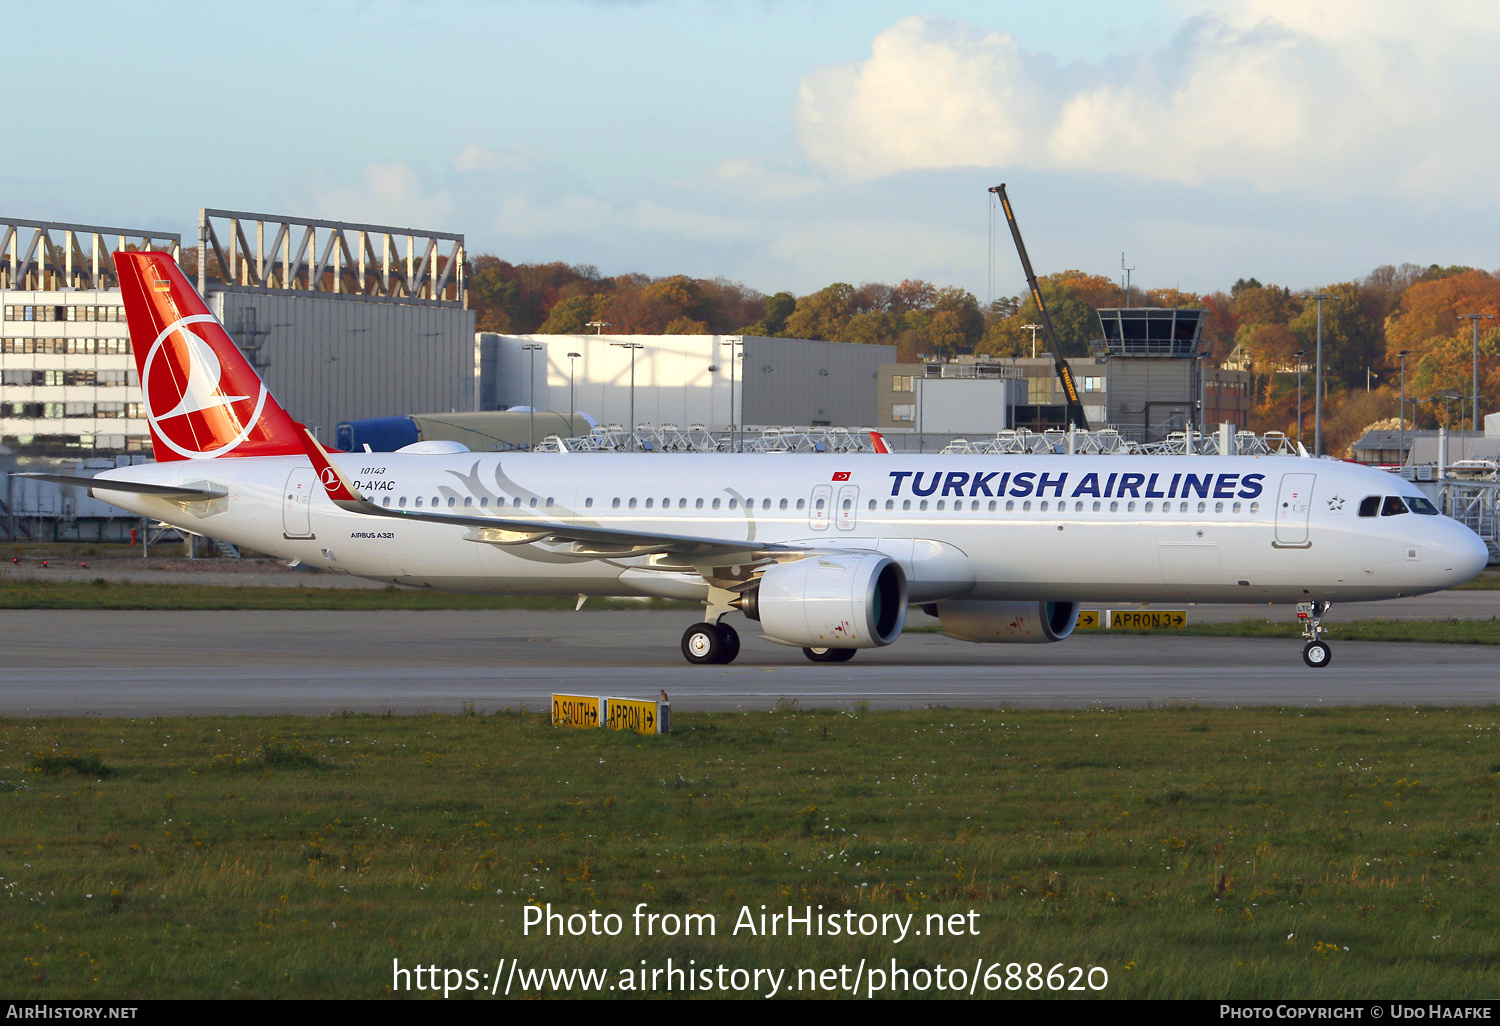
{"type": "Point", "coordinates": [1008, 622]}
{"type": "Point", "coordinates": [854, 601]}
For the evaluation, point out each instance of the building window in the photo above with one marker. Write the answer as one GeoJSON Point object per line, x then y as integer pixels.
{"type": "Point", "coordinates": [903, 412]}
{"type": "Point", "coordinates": [902, 383]}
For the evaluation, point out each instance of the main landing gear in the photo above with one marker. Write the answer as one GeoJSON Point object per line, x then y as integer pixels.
{"type": "Point", "coordinates": [1316, 652]}
{"type": "Point", "coordinates": [706, 643]}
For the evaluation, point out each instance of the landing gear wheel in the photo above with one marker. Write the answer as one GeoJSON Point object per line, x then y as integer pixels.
{"type": "Point", "coordinates": [829, 655]}
{"type": "Point", "coordinates": [1316, 654]}
{"type": "Point", "coordinates": [729, 643]}
{"type": "Point", "coordinates": [702, 644]}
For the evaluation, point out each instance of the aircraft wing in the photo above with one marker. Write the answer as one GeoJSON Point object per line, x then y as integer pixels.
{"type": "Point", "coordinates": [601, 542]}
{"type": "Point", "coordinates": [175, 493]}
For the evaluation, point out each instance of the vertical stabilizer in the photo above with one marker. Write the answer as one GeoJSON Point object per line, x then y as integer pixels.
{"type": "Point", "coordinates": [202, 398]}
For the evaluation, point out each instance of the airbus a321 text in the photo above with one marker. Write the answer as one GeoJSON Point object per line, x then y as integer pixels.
{"type": "Point", "coordinates": [825, 553]}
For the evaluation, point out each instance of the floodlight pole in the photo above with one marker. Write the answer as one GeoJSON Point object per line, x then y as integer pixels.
{"type": "Point", "coordinates": [734, 441]}
{"type": "Point", "coordinates": [1402, 419]}
{"type": "Point", "coordinates": [1033, 328]}
{"type": "Point", "coordinates": [632, 346]}
{"type": "Point", "coordinates": [1474, 319]}
{"type": "Point", "coordinates": [572, 404]}
{"type": "Point", "coordinates": [532, 347]}
{"type": "Point", "coordinates": [1299, 354]}
{"type": "Point", "coordinates": [1318, 377]}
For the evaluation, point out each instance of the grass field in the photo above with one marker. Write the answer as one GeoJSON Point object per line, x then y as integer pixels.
{"type": "Point", "coordinates": [1189, 852]}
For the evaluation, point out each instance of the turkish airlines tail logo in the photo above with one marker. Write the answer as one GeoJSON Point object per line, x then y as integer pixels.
{"type": "Point", "coordinates": [203, 400]}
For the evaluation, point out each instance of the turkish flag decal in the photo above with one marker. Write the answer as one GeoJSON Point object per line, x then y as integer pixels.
{"type": "Point", "coordinates": [842, 475]}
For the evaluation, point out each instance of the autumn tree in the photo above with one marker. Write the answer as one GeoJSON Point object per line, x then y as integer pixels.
{"type": "Point", "coordinates": [822, 314]}
{"type": "Point", "coordinates": [1352, 338]}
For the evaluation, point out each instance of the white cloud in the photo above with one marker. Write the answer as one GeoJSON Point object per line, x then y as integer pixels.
{"type": "Point", "coordinates": [765, 178]}
{"type": "Point", "coordinates": [1333, 98]}
{"type": "Point", "coordinates": [475, 157]}
{"type": "Point", "coordinates": [571, 214]}
{"type": "Point", "coordinates": [655, 217]}
{"type": "Point", "coordinates": [388, 193]}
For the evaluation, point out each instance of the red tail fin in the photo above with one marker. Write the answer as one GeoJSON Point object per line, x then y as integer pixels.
{"type": "Point", "coordinates": [202, 398]}
{"type": "Point", "coordinates": [878, 441]}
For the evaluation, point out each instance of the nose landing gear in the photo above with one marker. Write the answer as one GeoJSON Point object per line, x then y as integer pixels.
{"type": "Point", "coordinates": [1316, 652]}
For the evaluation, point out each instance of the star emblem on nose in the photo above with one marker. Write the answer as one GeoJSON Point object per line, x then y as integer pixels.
{"type": "Point", "coordinates": [1336, 504]}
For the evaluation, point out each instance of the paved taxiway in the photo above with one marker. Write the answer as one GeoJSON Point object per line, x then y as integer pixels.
{"type": "Point", "coordinates": [155, 663]}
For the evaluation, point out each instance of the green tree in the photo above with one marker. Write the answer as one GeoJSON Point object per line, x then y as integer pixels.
{"type": "Point", "coordinates": [823, 314]}
{"type": "Point", "coordinates": [1352, 335]}
{"type": "Point", "coordinates": [572, 315]}
{"type": "Point", "coordinates": [777, 309]}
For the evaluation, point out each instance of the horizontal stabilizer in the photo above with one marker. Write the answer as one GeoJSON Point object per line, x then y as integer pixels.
{"type": "Point", "coordinates": [176, 493]}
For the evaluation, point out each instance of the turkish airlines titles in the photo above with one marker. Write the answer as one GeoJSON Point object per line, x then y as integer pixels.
{"type": "Point", "coordinates": [1113, 486]}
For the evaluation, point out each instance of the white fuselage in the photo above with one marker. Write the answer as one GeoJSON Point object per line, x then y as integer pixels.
{"type": "Point", "coordinates": [1047, 528]}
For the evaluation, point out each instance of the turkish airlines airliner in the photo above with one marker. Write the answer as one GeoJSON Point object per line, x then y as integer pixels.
{"type": "Point", "coordinates": [824, 552]}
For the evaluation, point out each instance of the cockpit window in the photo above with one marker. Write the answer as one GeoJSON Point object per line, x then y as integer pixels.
{"type": "Point", "coordinates": [1369, 506]}
{"type": "Point", "coordinates": [1393, 506]}
{"type": "Point", "coordinates": [1421, 505]}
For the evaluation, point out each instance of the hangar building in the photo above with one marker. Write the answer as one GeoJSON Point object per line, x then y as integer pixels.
{"type": "Point", "coordinates": [714, 380]}
{"type": "Point", "coordinates": [342, 320]}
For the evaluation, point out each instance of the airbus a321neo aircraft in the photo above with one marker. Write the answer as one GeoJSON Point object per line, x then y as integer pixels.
{"type": "Point", "coordinates": [824, 552]}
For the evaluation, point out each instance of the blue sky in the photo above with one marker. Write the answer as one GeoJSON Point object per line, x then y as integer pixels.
{"type": "Point", "coordinates": [786, 144]}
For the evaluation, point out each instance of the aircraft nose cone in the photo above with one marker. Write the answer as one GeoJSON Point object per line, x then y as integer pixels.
{"type": "Point", "coordinates": [1468, 554]}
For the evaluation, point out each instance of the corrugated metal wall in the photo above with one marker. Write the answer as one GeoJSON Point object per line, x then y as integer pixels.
{"type": "Point", "coordinates": [686, 379]}
{"type": "Point", "coordinates": [804, 382]}
{"type": "Point", "coordinates": [1161, 382]}
{"type": "Point", "coordinates": [329, 360]}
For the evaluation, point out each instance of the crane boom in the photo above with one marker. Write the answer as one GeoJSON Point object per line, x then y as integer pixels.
{"type": "Point", "coordinates": [1076, 415]}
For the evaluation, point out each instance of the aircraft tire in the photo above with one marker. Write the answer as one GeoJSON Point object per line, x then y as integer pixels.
{"type": "Point", "coordinates": [729, 642]}
{"type": "Point", "coordinates": [701, 644]}
{"type": "Point", "coordinates": [829, 655]}
{"type": "Point", "coordinates": [1316, 654]}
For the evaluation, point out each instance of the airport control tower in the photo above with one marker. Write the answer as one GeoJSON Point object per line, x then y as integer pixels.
{"type": "Point", "coordinates": [1155, 360]}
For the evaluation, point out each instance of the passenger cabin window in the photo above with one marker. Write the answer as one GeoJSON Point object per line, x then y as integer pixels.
{"type": "Point", "coordinates": [1369, 506]}
{"type": "Point", "coordinates": [614, 503]}
{"type": "Point", "coordinates": [588, 503]}
{"type": "Point", "coordinates": [1393, 506]}
{"type": "Point", "coordinates": [484, 501]}
{"type": "Point", "coordinates": [801, 503]}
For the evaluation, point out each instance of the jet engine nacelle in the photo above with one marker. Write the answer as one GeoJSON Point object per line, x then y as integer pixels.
{"type": "Point", "coordinates": [1007, 622]}
{"type": "Point", "coordinates": [854, 601]}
